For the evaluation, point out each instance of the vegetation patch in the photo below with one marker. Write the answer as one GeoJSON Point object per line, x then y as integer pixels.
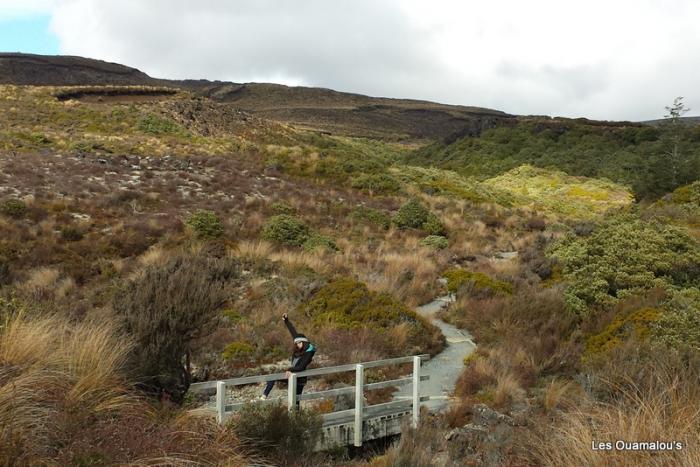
{"type": "Point", "coordinates": [624, 255]}
{"type": "Point", "coordinates": [636, 324]}
{"type": "Point", "coordinates": [286, 230]}
{"type": "Point", "coordinates": [414, 215]}
{"type": "Point", "coordinates": [206, 224]}
{"type": "Point", "coordinates": [435, 241]}
{"type": "Point", "coordinates": [277, 434]}
{"type": "Point", "coordinates": [458, 279]}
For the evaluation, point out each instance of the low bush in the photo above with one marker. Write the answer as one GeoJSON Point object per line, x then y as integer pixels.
{"type": "Point", "coordinates": [282, 207]}
{"type": "Point", "coordinates": [286, 230]}
{"type": "Point", "coordinates": [625, 255]}
{"type": "Point", "coordinates": [281, 436]}
{"type": "Point", "coordinates": [206, 224]}
{"type": "Point", "coordinates": [411, 215]}
{"type": "Point", "coordinates": [376, 183]}
{"type": "Point", "coordinates": [157, 125]}
{"type": "Point", "coordinates": [349, 304]}
{"type": "Point", "coordinates": [435, 241]}
{"type": "Point", "coordinates": [372, 216]}
{"type": "Point", "coordinates": [166, 309]}
{"type": "Point", "coordinates": [458, 279]}
{"type": "Point", "coordinates": [316, 242]}
{"type": "Point", "coordinates": [14, 208]}
{"type": "Point", "coordinates": [238, 350]}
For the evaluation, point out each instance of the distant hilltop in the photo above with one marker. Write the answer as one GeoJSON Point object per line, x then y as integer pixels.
{"type": "Point", "coordinates": [318, 108]}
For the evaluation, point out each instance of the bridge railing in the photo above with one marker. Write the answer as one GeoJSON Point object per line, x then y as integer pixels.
{"type": "Point", "coordinates": [359, 413]}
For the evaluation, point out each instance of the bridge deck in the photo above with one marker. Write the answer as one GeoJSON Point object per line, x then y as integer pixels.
{"type": "Point", "coordinates": [353, 426]}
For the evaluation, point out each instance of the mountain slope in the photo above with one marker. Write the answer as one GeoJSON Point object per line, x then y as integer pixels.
{"type": "Point", "coordinates": [312, 108]}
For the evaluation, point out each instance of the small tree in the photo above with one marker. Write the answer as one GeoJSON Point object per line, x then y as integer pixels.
{"type": "Point", "coordinates": [674, 131]}
{"type": "Point", "coordinates": [167, 309]}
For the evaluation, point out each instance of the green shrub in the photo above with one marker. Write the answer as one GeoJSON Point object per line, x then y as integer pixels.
{"type": "Point", "coordinates": [156, 125]}
{"type": "Point", "coordinates": [316, 241]}
{"type": "Point", "coordinates": [371, 216]}
{"type": "Point", "coordinates": [206, 224]}
{"type": "Point", "coordinates": [435, 241]}
{"type": "Point", "coordinates": [624, 255]}
{"type": "Point", "coordinates": [376, 183]}
{"type": "Point", "coordinates": [281, 436]}
{"type": "Point", "coordinates": [286, 230]}
{"type": "Point", "coordinates": [688, 194]}
{"type": "Point", "coordinates": [167, 309]}
{"type": "Point", "coordinates": [679, 325]}
{"type": "Point", "coordinates": [71, 233]}
{"type": "Point", "coordinates": [411, 215]}
{"type": "Point", "coordinates": [14, 208]}
{"type": "Point", "coordinates": [480, 282]}
{"type": "Point", "coordinates": [350, 305]}
{"type": "Point", "coordinates": [433, 225]}
{"type": "Point", "coordinates": [238, 350]}
{"type": "Point", "coordinates": [282, 207]}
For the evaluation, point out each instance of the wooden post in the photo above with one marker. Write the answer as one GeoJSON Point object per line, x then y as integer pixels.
{"type": "Point", "coordinates": [292, 392]}
{"type": "Point", "coordinates": [416, 391]}
{"type": "Point", "coordinates": [220, 402]}
{"type": "Point", "coordinates": [359, 402]}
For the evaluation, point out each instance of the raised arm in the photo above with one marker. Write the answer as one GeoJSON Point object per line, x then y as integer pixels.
{"type": "Point", "coordinates": [290, 326]}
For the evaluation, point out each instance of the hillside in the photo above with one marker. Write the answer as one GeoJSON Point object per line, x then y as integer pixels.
{"type": "Point", "coordinates": [312, 108]}
{"type": "Point", "coordinates": [153, 234]}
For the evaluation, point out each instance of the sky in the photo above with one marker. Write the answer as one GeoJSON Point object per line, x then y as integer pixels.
{"type": "Point", "coordinates": [602, 59]}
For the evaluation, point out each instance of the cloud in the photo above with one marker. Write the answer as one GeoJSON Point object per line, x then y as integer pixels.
{"type": "Point", "coordinates": [609, 60]}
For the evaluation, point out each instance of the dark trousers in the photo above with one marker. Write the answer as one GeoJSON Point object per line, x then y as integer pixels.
{"type": "Point", "coordinates": [271, 384]}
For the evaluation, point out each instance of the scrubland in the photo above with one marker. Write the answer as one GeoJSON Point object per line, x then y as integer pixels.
{"type": "Point", "coordinates": [149, 243]}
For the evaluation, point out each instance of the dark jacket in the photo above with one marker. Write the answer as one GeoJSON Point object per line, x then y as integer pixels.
{"type": "Point", "coordinates": [299, 362]}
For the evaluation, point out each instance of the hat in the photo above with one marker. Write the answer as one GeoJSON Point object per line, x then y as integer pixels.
{"type": "Point", "coordinates": [300, 338]}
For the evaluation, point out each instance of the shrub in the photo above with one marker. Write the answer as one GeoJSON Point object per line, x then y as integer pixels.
{"type": "Point", "coordinates": [5, 273]}
{"type": "Point", "coordinates": [623, 255]}
{"type": "Point", "coordinates": [277, 434]}
{"type": "Point", "coordinates": [282, 207]}
{"type": "Point", "coordinates": [71, 233]}
{"type": "Point", "coordinates": [376, 183]}
{"type": "Point", "coordinates": [157, 125]}
{"type": "Point", "coordinates": [286, 230]}
{"type": "Point", "coordinates": [480, 282]}
{"type": "Point", "coordinates": [238, 350]}
{"type": "Point", "coordinates": [372, 216]}
{"type": "Point", "coordinates": [435, 241]}
{"type": "Point", "coordinates": [433, 226]}
{"type": "Point", "coordinates": [536, 224]}
{"type": "Point", "coordinates": [411, 215]}
{"type": "Point", "coordinates": [14, 208]}
{"type": "Point", "coordinates": [317, 241]}
{"type": "Point", "coordinates": [636, 324]}
{"type": "Point", "coordinates": [166, 309]}
{"type": "Point", "coordinates": [206, 224]}
{"type": "Point", "coordinates": [349, 304]}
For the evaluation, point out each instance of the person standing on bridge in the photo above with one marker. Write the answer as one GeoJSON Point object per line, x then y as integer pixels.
{"type": "Point", "coordinates": [302, 354]}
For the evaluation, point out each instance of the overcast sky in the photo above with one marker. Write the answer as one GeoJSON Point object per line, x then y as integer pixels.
{"type": "Point", "coordinates": [604, 59]}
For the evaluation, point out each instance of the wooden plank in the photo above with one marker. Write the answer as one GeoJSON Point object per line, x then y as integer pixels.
{"type": "Point", "coordinates": [373, 410]}
{"type": "Point", "coordinates": [359, 404]}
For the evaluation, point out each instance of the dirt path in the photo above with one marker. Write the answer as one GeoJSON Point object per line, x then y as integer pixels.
{"type": "Point", "coordinates": [445, 367]}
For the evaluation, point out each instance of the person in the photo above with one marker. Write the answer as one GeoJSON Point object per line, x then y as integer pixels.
{"type": "Point", "coordinates": [302, 354]}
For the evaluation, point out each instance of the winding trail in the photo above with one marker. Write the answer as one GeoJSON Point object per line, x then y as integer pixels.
{"type": "Point", "coordinates": [445, 367]}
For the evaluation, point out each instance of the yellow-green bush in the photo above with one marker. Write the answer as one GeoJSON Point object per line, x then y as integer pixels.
{"type": "Point", "coordinates": [206, 224]}
{"type": "Point", "coordinates": [636, 324]}
{"type": "Point", "coordinates": [458, 278]}
{"type": "Point", "coordinates": [237, 350]}
{"type": "Point", "coordinates": [347, 303]}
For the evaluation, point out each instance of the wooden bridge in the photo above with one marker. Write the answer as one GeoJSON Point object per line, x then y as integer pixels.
{"type": "Point", "coordinates": [344, 427]}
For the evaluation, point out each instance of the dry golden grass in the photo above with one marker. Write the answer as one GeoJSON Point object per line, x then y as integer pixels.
{"type": "Point", "coordinates": [52, 376]}
{"type": "Point", "coordinates": [555, 394]}
{"type": "Point", "coordinates": [671, 414]}
{"type": "Point", "coordinates": [254, 250]}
